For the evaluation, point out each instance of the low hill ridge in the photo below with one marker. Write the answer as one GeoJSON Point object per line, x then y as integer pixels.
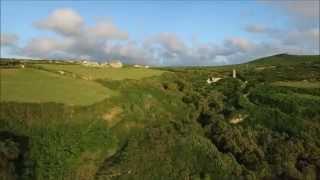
{"type": "Point", "coordinates": [285, 59]}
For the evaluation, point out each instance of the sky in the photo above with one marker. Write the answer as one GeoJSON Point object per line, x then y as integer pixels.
{"type": "Point", "coordinates": [159, 33]}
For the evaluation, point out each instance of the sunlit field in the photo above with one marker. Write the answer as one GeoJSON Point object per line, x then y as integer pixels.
{"type": "Point", "coordinates": [37, 86]}
{"type": "Point", "coordinates": [93, 73]}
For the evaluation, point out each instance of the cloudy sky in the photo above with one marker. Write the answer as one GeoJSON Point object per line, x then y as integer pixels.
{"type": "Point", "coordinates": [164, 33]}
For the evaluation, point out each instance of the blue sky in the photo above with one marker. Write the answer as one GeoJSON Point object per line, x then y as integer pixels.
{"type": "Point", "coordinates": [219, 29]}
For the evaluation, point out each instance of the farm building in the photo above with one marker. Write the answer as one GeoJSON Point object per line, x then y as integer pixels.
{"type": "Point", "coordinates": [90, 63]}
{"type": "Point", "coordinates": [137, 66]}
{"type": "Point", "coordinates": [61, 72]}
{"type": "Point", "coordinates": [213, 80]}
{"type": "Point", "coordinates": [140, 66]}
{"type": "Point", "coordinates": [116, 64]}
{"type": "Point", "coordinates": [104, 64]}
{"type": "Point", "coordinates": [84, 62]}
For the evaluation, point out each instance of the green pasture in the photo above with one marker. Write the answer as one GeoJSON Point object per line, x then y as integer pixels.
{"type": "Point", "coordinates": [37, 86]}
{"type": "Point", "coordinates": [93, 73]}
{"type": "Point", "coordinates": [297, 84]}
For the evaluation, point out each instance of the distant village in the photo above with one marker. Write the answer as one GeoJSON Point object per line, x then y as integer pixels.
{"type": "Point", "coordinates": [112, 64]}
{"type": "Point", "coordinates": [7, 62]}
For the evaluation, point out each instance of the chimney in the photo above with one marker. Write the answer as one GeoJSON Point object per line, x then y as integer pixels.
{"type": "Point", "coordinates": [234, 73]}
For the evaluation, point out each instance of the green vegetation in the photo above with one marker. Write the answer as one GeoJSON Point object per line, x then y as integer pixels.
{"type": "Point", "coordinates": [93, 73]}
{"type": "Point", "coordinates": [298, 84]}
{"type": "Point", "coordinates": [36, 86]}
{"type": "Point", "coordinates": [285, 59]}
{"type": "Point", "coordinates": [57, 150]}
{"type": "Point", "coordinates": [265, 124]}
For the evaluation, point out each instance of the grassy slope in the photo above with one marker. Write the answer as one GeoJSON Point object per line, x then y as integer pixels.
{"type": "Point", "coordinates": [276, 60]}
{"type": "Point", "coordinates": [285, 59]}
{"type": "Point", "coordinates": [47, 85]}
{"type": "Point", "coordinates": [298, 84]}
{"type": "Point", "coordinates": [71, 142]}
{"type": "Point", "coordinates": [31, 85]}
{"type": "Point", "coordinates": [104, 73]}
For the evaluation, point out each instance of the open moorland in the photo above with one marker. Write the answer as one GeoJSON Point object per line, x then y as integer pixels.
{"type": "Point", "coordinates": [258, 120]}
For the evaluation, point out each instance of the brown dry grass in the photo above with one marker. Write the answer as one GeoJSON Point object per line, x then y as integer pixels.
{"type": "Point", "coordinates": [112, 117]}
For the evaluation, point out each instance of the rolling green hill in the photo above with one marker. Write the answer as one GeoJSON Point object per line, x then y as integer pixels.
{"type": "Point", "coordinates": [285, 59]}
{"type": "Point", "coordinates": [71, 84]}
{"type": "Point", "coordinates": [37, 86]}
{"type": "Point", "coordinates": [153, 124]}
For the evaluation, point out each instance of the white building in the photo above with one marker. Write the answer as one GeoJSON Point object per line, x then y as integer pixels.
{"type": "Point", "coordinates": [84, 62]}
{"type": "Point", "coordinates": [105, 64]}
{"type": "Point", "coordinates": [234, 73]}
{"type": "Point", "coordinates": [137, 66]}
{"type": "Point", "coordinates": [141, 66]}
{"type": "Point", "coordinates": [116, 64]}
{"type": "Point", "coordinates": [90, 63]}
{"type": "Point", "coordinates": [213, 80]}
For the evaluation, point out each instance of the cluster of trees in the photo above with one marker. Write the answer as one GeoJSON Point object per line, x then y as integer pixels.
{"type": "Point", "coordinates": [271, 142]}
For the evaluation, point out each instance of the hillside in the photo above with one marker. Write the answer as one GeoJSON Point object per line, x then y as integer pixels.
{"type": "Point", "coordinates": [68, 83]}
{"type": "Point", "coordinates": [285, 59]}
{"type": "Point", "coordinates": [36, 86]}
{"type": "Point", "coordinates": [168, 123]}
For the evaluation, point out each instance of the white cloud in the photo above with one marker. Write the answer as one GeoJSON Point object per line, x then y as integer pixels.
{"type": "Point", "coordinates": [169, 41]}
{"type": "Point", "coordinates": [68, 23]}
{"type": "Point", "coordinates": [129, 52]}
{"type": "Point", "coordinates": [306, 8]}
{"type": "Point", "coordinates": [255, 28]}
{"type": "Point", "coordinates": [302, 13]}
{"type": "Point", "coordinates": [174, 51]}
{"type": "Point", "coordinates": [164, 51]}
{"type": "Point", "coordinates": [108, 30]}
{"type": "Point", "coordinates": [8, 40]}
{"type": "Point", "coordinates": [64, 21]}
{"type": "Point", "coordinates": [44, 47]}
{"type": "Point", "coordinates": [302, 32]}
{"type": "Point", "coordinates": [240, 44]}
{"type": "Point", "coordinates": [300, 38]}
{"type": "Point", "coordinates": [105, 41]}
{"type": "Point", "coordinates": [76, 39]}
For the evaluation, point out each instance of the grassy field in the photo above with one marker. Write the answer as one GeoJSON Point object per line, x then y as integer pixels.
{"type": "Point", "coordinates": [298, 84]}
{"type": "Point", "coordinates": [93, 73]}
{"type": "Point", "coordinates": [31, 85]}
{"type": "Point", "coordinates": [47, 85]}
